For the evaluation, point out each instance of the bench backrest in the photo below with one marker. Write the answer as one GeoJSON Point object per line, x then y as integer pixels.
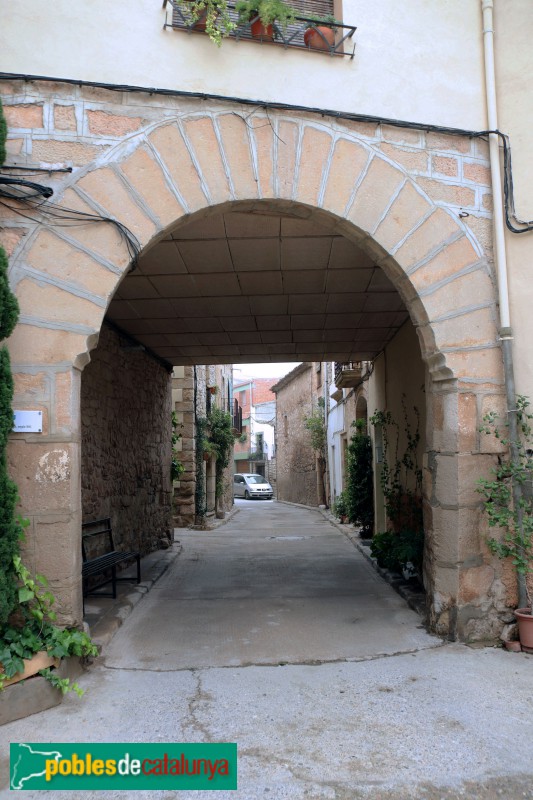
{"type": "Point", "coordinates": [96, 538]}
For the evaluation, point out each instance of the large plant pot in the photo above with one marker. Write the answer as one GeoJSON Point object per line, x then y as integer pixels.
{"type": "Point", "coordinates": [525, 627]}
{"type": "Point", "coordinates": [260, 31]}
{"type": "Point", "coordinates": [200, 24]}
{"type": "Point", "coordinates": [319, 37]}
{"type": "Point", "coordinates": [32, 666]}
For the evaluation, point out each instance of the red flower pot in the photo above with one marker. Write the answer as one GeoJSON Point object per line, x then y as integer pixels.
{"type": "Point", "coordinates": [319, 37]}
{"type": "Point", "coordinates": [525, 626]}
{"type": "Point", "coordinates": [201, 22]}
{"type": "Point", "coordinates": [260, 31]}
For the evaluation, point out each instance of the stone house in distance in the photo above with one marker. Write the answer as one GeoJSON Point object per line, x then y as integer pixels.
{"type": "Point", "coordinates": [255, 450]}
{"type": "Point", "coordinates": [195, 392]}
{"type": "Point", "coordinates": [297, 395]}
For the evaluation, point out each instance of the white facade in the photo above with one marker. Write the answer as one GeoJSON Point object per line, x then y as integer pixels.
{"type": "Point", "coordinates": [263, 417]}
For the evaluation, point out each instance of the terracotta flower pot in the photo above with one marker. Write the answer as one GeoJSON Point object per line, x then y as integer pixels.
{"type": "Point", "coordinates": [525, 626]}
{"type": "Point", "coordinates": [201, 22]}
{"type": "Point", "coordinates": [32, 666]}
{"type": "Point", "coordinates": [514, 647]}
{"type": "Point", "coordinates": [260, 31]}
{"type": "Point", "coordinates": [319, 37]}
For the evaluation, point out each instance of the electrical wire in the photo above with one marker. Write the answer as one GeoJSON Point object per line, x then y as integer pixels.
{"type": "Point", "coordinates": [36, 206]}
{"type": "Point", "coordinates": [512, 222]}
{"type": "Point", "coordinates": [18, 185]}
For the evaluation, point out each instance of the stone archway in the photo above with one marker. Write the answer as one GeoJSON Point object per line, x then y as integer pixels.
{"type": "Point", "coordinates": [173, 168]}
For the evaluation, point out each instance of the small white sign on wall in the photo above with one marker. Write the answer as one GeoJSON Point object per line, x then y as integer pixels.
{"type": "Point", "coordinates": [28, 422]}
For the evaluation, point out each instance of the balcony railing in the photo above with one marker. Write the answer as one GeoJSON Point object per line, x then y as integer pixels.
{"type": "Point", "coordinates": [180, 18]}
{"type": "Point", "coordinates": [236, 419]}
{"type": "Point", "coordinates": [349, 374]}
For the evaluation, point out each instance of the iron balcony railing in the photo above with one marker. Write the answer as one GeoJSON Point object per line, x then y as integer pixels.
{"type": "Point", "coordinates": [180, 18]}
{"type": "Point", "coordinates": [349, 374]}
{"type": "Point", "coordinates": [236, 419]}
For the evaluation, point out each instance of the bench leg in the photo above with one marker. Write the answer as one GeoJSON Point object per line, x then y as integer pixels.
{"type": "Point", "coordinates": [114, 581]}
{"type": "Point", "coordinates": [138, 569]}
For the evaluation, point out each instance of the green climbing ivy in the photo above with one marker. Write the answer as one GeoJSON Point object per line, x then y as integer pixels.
{"type": "Point", "coordinates": [10, 528]}
{"type": "Point", "coordinates": [176, 467]}
{"type": "Point", "coordinates": [26, 615]}
{"type": "Point", "coordinates": [401, 483]}
{"type": "Point", "coordinates": [360, 480]}
{"type": "Point", "coordinates": [3, 134]}
{"type": "Point", "coordinates": [222, 440]}
{"type": "Point", "coordinates": [199, 490]}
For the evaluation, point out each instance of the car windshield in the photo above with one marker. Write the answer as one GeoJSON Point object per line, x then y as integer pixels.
{"type": "Point", "coordinates": [255, 479]}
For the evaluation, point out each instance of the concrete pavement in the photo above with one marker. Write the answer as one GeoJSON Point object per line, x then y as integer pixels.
{"type": "Point", "coordinates": [275, 633]}
{"type": "Point", "coordinates": [276, 584]}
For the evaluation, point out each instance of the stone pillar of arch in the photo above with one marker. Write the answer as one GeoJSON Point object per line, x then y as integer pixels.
{"type": "Point", "coordinates": [210, 157]}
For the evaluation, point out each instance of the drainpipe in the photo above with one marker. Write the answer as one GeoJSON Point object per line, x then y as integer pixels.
{"type": "Point", "coordinates": [326, 415]}
{"type": "Point", "coordinates": [506, 333]}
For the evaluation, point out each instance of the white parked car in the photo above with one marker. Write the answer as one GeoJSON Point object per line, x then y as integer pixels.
{"type": "Point", "coordinates": [250, 485]}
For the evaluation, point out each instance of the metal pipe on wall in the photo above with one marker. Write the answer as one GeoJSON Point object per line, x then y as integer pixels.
{"type": "Point", "coordinates": [506, 333]}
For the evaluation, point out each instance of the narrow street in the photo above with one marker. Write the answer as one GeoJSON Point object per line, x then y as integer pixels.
{"type": "Point", "coordinates": [277, 584]}
{"type": "Point", "coordinates": [274, 632]}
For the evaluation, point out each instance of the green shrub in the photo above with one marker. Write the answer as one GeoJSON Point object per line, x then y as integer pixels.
{"type": "Point", "coordinates": [33, 630]}
{"type": "Point", "coordinates": [360, 480]}
{"type": "Point", "coordinates": [395, 551]}
{"type": "Point", "coordinates": [340, 506]}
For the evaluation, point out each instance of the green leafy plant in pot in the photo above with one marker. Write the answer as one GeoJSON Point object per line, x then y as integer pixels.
{"type": "Point", "coordinates": [31, 635]}
{"type": "Point", "coordinates": [340, 507]}
{"type": "Point", "coordinates": [262, 14]}
{"type": "Point", "coordinates": [508, 503]}
{"type": "Point", "coordinates": [211, 16]}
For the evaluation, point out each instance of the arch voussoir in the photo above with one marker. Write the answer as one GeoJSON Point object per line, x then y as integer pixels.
{"type": "Point", "coordinates": [348, 163]}
{"type": "Point", "coordinates": [407, 211]}
{"type": "Point", "coordinates": [432, 236]}
{"type": "Point", "coordinates": [287, 142]}
{"type": "Point", "coordinates": [314, 158]}
{"type": "Point", "coordinates": [375, 194]}
{"type": "Point", "coordinates": [236, 146]}
{"type": "Point", "coordinates": [101, 241]}
{"type": "Point", "coordinates": [104, 187]}
{"type": "Point", "coordinates": [52, 305]}
{"type": "Point", "coordinates": [172, 151]}
{"type": "Point", "coordinates": [449, 259]}
{"type": "Point", "coordinates": [55, 258]}
{"type": "Point", "coordinates": [145, 176]}
{"type": "Point", "coordinates": [204, 146]}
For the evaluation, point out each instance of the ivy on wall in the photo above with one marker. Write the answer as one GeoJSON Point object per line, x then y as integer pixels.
{"type": "Point", "coordinates": [9, 527]}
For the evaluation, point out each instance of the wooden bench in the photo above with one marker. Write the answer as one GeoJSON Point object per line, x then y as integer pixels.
{"type": "Point", "coordinates": [100, 556]}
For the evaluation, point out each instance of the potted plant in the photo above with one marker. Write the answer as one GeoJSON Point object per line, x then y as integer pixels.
{"type": "Point", "coordinates": [320, 34]}
{"type": "Point", "coordinates": [31, 643]}
{"type": "Point", "coordinates": [340, 507]}
{"type": "Point", "coordinates": [508, 502]}
{"type": "Point", "coordinates": [211, 16]}
{"type": "Point", "coordinates": [262, 14]}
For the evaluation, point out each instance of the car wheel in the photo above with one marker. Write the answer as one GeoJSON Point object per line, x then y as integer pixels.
{"type": "Point", "coordinates": [247, 495]}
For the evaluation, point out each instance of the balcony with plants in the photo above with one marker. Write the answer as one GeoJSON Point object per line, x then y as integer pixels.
{"type": "Point", "coordinates": [271, 22]}
{"type": "Point", "coordinates": [349, 374]}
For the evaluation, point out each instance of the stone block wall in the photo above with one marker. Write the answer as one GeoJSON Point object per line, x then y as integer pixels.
{"type": "Point", "coordinates": [295, 460]}
{"type": "Point", "coordinates": [126, 444]}
{"type": "Point", "coordinates": [183, 405]}
{"type": "Point", "coordinates": [184, 396]}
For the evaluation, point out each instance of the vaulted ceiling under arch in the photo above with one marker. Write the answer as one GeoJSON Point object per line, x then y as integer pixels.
{"type": "Point", "coordinates": [238, 286]}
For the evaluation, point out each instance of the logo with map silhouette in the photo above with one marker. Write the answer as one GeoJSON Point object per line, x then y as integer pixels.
{"type": "Point", "coordinates": [100, 766]}
{"type": "Point", "coordinates": [29, 764]}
